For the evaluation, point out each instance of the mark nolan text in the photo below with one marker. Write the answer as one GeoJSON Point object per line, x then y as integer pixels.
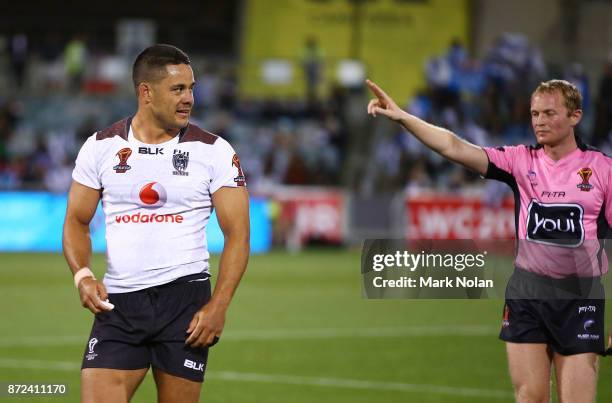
{"type": "Point", "coordinates": [430, 282]}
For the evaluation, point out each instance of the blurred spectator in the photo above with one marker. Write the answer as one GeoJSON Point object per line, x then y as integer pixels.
{"type": "Point", "coordinates": [301, 141]}
{"type": "Point", "coordinates": [18, 58]}
{"type": "Point", "coordinates": [603, 120]}
{"type": "Point", "coordinates": [39, 163]}
{"type": "Point", "coordinates": [75, 55]}
{"type": "Point", "coordinates": [312, 64]}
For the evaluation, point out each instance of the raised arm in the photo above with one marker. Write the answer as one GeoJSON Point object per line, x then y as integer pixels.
{"type": "Point", "coordinates": [232, 206]}
{"type": "Point", "coordinates": [442, 141]}
{"type": "Point", "coordinates": [82, 204]}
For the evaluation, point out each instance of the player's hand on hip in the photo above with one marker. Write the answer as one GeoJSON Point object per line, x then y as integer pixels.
{"type": "Point", "coordinates": [383, 104]}
{"type": "Point", "coordinates": [206, 326]}
{"type": "Point", "coordinates": [93, 294]}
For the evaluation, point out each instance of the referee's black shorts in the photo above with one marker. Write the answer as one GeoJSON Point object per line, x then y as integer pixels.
{"type": "Point", "coordinates": [567, 325]}
{"type": "Point", "coordinates": [148, 328]}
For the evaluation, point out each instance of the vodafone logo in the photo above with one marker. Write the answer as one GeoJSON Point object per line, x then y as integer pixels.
{"type": "Point", "coordinates": [150, 194]}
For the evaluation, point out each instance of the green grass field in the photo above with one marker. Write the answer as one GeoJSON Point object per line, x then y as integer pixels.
{"type": "Point", "coordinates": [298, 331]}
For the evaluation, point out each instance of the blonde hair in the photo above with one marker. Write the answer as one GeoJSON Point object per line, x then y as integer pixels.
{"type": "Point", "coordinates": [571, 96]}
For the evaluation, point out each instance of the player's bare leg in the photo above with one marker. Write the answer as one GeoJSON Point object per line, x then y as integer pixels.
{"type": "Point", "coordinates": [172, 389]}
{"type": "Point", "coordinates": [529, 365]}
{"type": "Point", "coordinates": [576, 377]}
{"type": "Point", "coordinates": [110, 385]}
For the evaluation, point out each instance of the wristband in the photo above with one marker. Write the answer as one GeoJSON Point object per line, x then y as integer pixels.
{"type": "Point", "coordinates": [81, 274]}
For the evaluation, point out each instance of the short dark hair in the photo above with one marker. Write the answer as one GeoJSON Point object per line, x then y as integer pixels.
{"type": "Point", "coordinates": [150, 65]}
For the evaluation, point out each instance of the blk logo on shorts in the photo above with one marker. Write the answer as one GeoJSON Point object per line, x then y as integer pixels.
{"type": "Point", "coordinates": [196, 366]}
{"type": "Point", "coordinates": [555, 224]}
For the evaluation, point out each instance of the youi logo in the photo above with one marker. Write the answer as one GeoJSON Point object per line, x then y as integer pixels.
{"type": "Point", "coordinates": [150, 194]}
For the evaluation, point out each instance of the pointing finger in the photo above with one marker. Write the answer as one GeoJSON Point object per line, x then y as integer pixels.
{"type": "Point", "coordinates": [380, 94]}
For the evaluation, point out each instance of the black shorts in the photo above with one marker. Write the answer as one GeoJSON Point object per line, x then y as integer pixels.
{"type": "Point", "coordinates": [149, 328]}
{"type": "Point", "coordinates": [568, 326]}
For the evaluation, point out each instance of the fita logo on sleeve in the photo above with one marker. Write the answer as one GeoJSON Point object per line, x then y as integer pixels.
{"type": "Point", "coordinates": [123, 155]}
{"type": "Point", "coordinates": [531, 176]}
{"type": "Point", "coordinates": [240, 179]}
{"type": "Point", "coordinates": [585, 174]}
{"type": "Point", "coordinates": [180, 160]}
{"type": "Point", "coordinates": [90, 349]}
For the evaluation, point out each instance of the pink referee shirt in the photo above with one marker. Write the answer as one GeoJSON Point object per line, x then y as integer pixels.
{"type": "Point", "coordinates": [563, 208]}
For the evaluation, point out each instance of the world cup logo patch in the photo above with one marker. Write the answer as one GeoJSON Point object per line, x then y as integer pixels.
{"type": "Point", "coordinates": [585, 174]}
{"type": "Point", "coordinates": [240, 179]}
{"type": "Point", "coordinates": [123, 155]}
{"type": "Point", "coordinates": [90, 349]}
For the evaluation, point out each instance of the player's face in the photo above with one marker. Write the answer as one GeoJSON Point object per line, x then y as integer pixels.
{"type": "Point", "coordinates": [172, 96]}
{"type": "Point", "coordinates": [550, 119]}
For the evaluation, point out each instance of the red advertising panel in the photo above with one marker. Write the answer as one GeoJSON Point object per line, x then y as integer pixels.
{"type": "Point", "coordinates": [443, 216]}
{"type": "Point", "coordinates": [312, 214]}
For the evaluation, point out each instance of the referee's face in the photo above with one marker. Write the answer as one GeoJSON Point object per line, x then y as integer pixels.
{"type": "Point", "coordinates": [172, 97]}
{"type": "Point", "coordinates": [552, 123]}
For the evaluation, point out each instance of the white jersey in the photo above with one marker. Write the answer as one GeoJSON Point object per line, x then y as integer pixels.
{"type": "Point", "coordinates": [157, 200]}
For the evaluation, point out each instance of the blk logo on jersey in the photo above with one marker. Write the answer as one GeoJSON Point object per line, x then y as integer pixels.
{"type": "Point", "coordinates": [240, 179]}
{"type": "Point", "coordinates": [585, 174]}
{"type": "Point", "coordinates": [180, 161]}
{"type": "Point", "coordinates": [555, 224]}
{"type": "Point", "coordinates": [151, 151]}
{"type": "Point", "coordinates": [150, 194]}
{"type": "Point", "coordinates": [123, 155]}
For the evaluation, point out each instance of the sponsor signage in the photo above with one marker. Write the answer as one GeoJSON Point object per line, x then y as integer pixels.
{"type": "Point", "coordinates": [33, 221]}
{"type": "Point", "coordinates": [440, 216]}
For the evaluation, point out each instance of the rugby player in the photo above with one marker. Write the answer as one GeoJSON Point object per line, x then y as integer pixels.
{"type": "Point", "coordinates": [563, 196]}
{"type": "Point", "coordinates": [159, 178]}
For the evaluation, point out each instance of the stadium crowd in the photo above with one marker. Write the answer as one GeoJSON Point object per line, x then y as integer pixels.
{"type": "Point", "coordinates": [52, 104]}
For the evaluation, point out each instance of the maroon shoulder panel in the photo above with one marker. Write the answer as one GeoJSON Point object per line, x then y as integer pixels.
{"type": "Point", "coordinates": [119, 128]}
{"type": "Point", "coordinates": [194, 133]}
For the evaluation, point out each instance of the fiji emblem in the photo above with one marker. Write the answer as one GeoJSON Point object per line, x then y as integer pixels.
{"type": "Point", "coordinates": [180, 160]}
{"type": "Point", "coordinates": [585, 174]}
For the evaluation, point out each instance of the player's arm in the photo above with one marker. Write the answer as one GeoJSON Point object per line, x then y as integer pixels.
{"type": "Point", "coordinates": [441, 140]}
{"type": "Point", "coordinates": [82, 204]}
{"type": "Point", "coordinates": [232, 206]}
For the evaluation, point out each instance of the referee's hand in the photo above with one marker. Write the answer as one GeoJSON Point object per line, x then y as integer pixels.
{"type": "Point", "coordinates": [383, 104]}
{"type": "Point", "coordinates": [92, 292]}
